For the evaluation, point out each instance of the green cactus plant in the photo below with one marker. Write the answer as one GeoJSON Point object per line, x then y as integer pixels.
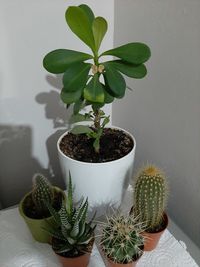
{"type": "Point", "coordinates": [71, 234]}
{"type": "Point", "coordinates": [150, 197]}
{"type": "Point", "coordinates": [42, 192]}
{"type": "Point", "coordinates": [121, 240]}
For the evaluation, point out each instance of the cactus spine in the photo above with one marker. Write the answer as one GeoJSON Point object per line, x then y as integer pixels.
{"type": "Point", "coordinates": [150, 196]}
{"type": "Point", "coordinates": [42, 193]}
{"type": "Point", "coordinates": [121, 240]}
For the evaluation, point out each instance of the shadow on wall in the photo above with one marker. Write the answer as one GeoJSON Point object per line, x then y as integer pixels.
{"type": "Point", "coordinates": [17, 163]}
{"type": "Point", "coordinates": [55, 111]}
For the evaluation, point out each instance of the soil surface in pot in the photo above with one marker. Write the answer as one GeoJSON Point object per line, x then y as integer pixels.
{"type": "Point", "coordinates": [114, 144]}
{"type": "Point", "coordinates": [31, 211]}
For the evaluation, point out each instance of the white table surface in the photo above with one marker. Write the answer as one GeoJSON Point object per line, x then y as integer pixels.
{"type": "Point", "coordinates": [18, 249]}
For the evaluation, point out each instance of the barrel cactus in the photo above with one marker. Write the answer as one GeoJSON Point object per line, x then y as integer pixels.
{"type": "Point", "coordinates": [42, 192]}
{"type": "Point", "coordinates": [150, 196]}
{"type": "Point", "coordinates": [121, 240]}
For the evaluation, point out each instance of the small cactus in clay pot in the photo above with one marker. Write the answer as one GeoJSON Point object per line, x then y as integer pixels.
{"type": "Point", "coordinates": [150, 200]}
{"type": "Point", "coordinates": [121, 240]}
{"type": "Point", "coordinates": [150, 195]}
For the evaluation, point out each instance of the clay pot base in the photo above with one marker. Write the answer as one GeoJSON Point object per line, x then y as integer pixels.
{"type": "Point", "coordinates": [152, 239]}
{"type": "Point", "coordinates": [81, 261]}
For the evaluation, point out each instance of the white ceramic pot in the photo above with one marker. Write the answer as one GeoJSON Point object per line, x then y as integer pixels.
{"type": "Point", "coordinates": [103, 183]}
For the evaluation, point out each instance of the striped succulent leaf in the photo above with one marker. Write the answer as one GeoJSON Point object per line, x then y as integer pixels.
{"type": "Point", "coordinates": [75, 230]}
{"type": "Point", "coordinates": [53, 213]}
{"type": "Point", "coordinates": [69, 196]}
{"type": "Point", "coordinates": [64, 217]}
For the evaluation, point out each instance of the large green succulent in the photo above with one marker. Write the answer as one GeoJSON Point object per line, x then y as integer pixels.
{"type": "Point", "coordinates": [90, 80]}
{"type": "Point", "coordinates": [121, 240]}
{"type": "Point", "coordinates": [71, 234]}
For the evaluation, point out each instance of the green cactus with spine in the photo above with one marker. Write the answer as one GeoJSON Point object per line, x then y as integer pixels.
{"type": "Point", "coordinates": [71, 234]}
{"type": "Point", "coordinates": [121, 240]}
{"type": "Point", "coordinates": [150, 196]}
{"type": "Point", "coordinates": [42, 192]}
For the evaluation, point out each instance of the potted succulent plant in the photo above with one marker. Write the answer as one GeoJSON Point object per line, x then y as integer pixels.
{"type": "Point", "coordinates": [33, 208]}
{"type": "Point", "coordinates": [72, 236]}
{"type": "Point", "coordinates": [95, 154]}
{"type": "Point", "coordinates": [150, 200]}
{"type": "Point", "coordinates": [121, 241]}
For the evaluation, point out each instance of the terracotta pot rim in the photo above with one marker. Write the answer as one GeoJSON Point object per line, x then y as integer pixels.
{"type": "Point", "coordinates": [20, 207]}
{"type": "Point", "coordinates": [98, 163]}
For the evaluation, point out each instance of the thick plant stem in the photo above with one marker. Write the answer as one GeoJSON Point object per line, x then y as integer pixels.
{"type": "Point", "coordinates": [97, 119]}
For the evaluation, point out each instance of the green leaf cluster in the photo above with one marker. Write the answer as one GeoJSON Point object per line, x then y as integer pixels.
{"type": "Point", "coordinates": [71, 232]}
{"type": "Point", "coordinates": [77, 83]}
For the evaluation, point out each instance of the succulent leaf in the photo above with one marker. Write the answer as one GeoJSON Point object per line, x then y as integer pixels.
{"type": "Point", "coordinates": [135, 53]}
{"type": "Point", "coordinates": [88, 11]}
{"type": "Point", "coordinates": [59, 60]}
{"type": "Point", "coordinates": [80, 24]}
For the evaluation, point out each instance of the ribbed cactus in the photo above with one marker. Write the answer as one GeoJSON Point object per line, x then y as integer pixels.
{"type": "Point", "coordinates": [121, 240]}
{"type": "Point", "coordinates": [150, 196]}
{"type": "Point", "coordinates": [42, 193]}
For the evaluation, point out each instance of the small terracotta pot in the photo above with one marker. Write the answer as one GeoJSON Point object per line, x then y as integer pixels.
{"type": "Point", "coordinates": [152, 239]}
{"type": "Point", "coordinates": [81, 261]}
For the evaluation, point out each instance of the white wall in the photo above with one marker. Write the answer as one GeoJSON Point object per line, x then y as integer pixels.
{"type": "Point", "coordinates": [163, 111]}
{"type": "Point", "coordinates": [31, 114]}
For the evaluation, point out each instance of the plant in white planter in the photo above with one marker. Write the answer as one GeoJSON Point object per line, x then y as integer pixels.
{"type": "Point", "coordinates": [90, 80]}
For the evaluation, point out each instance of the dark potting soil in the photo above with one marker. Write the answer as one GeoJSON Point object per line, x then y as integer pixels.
{"type": "Point", "coordinates": [114, 144]}
{"type": "Point", "coordinates": [31, 211]}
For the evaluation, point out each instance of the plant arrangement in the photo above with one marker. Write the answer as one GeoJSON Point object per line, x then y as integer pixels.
{"type": "Point", "coordinates": [90, 80]}
{"type": "Point", "coordinates": [72, 236]}
{"type": "Point", "coordinates": [121, 240]}
{"type": "Point", "coordinates": [33, 208]}
{"type": "Point", "coordinates": [150, 200]}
